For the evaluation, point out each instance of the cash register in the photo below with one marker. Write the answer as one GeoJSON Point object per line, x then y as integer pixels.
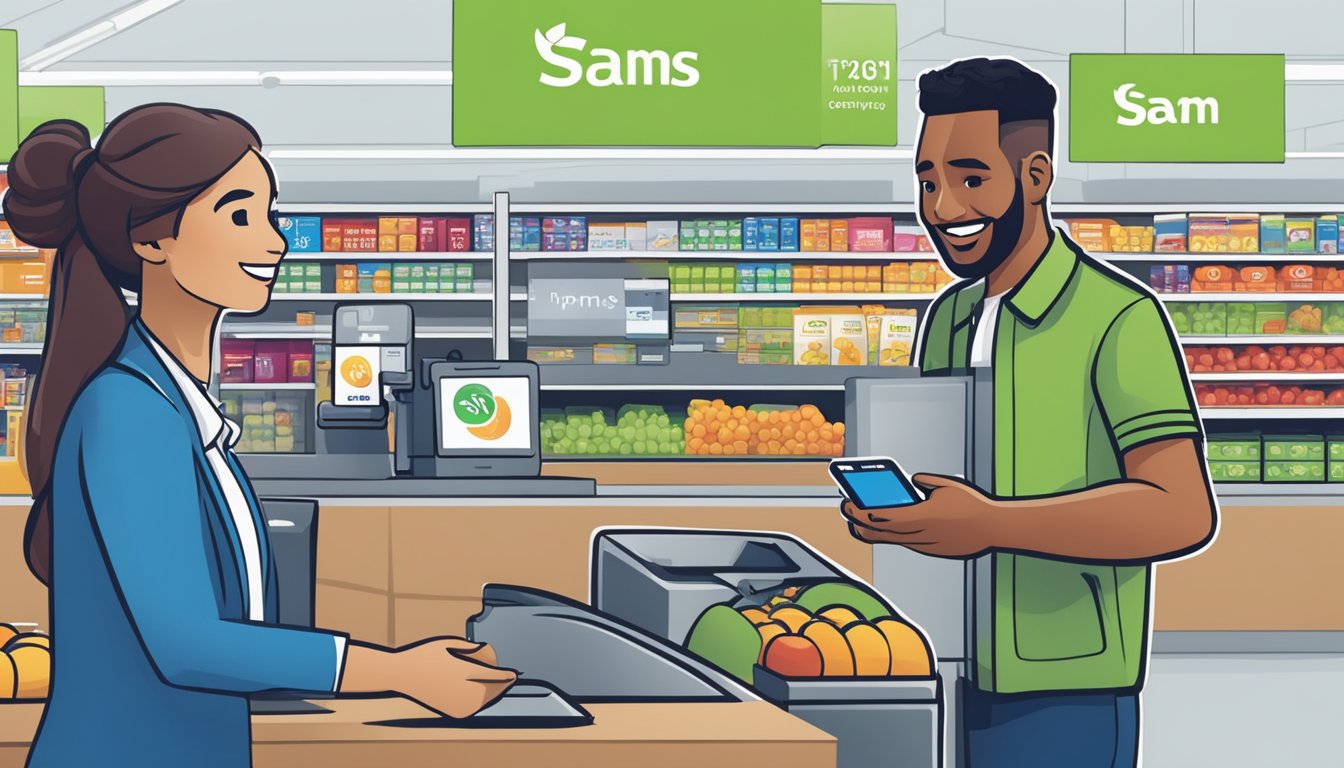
{"type": "Point", "coordinates": [460, 427]}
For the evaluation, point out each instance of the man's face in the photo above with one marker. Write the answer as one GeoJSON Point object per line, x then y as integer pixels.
{"type": "Point", "coordinates": [970, 196]}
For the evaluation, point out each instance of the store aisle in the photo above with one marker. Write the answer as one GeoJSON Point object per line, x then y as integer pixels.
{"type": "Point", "coordinates": [1249, 711]}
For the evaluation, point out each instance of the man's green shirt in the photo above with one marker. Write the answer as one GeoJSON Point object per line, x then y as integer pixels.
{"type": "Point", "coordinates": [1085, 368]}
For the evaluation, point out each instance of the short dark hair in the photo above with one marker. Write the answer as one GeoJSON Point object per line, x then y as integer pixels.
{"type": "Point", "coordinates": [1014, 90]}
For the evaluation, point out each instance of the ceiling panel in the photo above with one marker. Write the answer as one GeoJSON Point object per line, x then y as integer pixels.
{"type": "Point", "coordinates": [1054, 26]}
{"type": "Point", "coordinates": [195, 33]}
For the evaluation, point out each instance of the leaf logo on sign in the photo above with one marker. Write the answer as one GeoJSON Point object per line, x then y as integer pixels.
{"type": "Point", "coordinates": [608, 68]}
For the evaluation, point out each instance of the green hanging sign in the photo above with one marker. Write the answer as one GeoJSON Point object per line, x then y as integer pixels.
{"type": "Point", "coordinates": [688, 73]}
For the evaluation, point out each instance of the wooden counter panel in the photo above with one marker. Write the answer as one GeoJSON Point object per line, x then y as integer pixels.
{"type": "Point", "coordinates": [755, 473]}
{"type": "Point", "coordinates": [22, 597]}
{"type": "Point", "coordinates": [453, 552]}
{"type": "Point", "coordinates": [352, 546]}
{"type": "Point", "coordinates": [415, 618]}
{"type": "Point", "coordinates": [648, 735]}
{"type": "Point", "coordinates": [1271, 568]}
{"type": "Point", "coordinates": [363, 614]}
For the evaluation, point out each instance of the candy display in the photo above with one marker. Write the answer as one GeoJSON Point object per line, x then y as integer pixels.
{"type": "Point", "coordinates": [388, 234]}
{"type": "Point", "coordinates": [713, 428]}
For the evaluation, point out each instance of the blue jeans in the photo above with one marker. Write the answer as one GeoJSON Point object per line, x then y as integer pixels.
{"type": "Point", "coordinates": [1095, 729]}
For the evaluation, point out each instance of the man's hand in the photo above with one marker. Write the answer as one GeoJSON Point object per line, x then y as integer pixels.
{"type": "Point", "coordinates": [956, 520]}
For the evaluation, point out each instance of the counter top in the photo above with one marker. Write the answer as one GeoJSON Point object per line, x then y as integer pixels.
{"type": "Point", "coordinates": [685, 734]}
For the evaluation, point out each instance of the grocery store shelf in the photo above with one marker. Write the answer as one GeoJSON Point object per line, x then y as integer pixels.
{"type": "Point", "coordinates": [764, 209]}
{"type": "Point", "coordinates": [323, 332]}
{"type": "Point", "coordinates": [1281, 412]}
{"type": "Point", "coordinates": [726, 255]}
{"type": "Point", "coordinates": [1250, 296]}
{"type": "Point", "coordinates": [1263, 340]}
{"type": "Point", "coordinates": [708, 372]}
{"type": "Point", "coordinates": [36, 298]}
{"type": "Point", "coordinates": [825, 297]}
{"type": "Point", "coordinates": [1279, 489]}
{"type": "Point", "coordinates": [440, 209]}
{"type": "Point", "coordinates": [355, 297]}
{"type": "Point", "coordinates": [1259, 376]}
{"type": "Point", "coordinates": [390, 256]}
{"type": "Point", "coordinates": [1218, 258]}
{"type": "Point", "coordinates": [21, 349]}
{"type": "Point", "coordinates": [296, 387]}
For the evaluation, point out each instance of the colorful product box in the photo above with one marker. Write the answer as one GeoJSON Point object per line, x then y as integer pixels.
{"type": "Point", "coordinates": [1233, 448]}
{"type": "Point", "coordinates": [607, 237]}
{"type": "Point", "coordinates": [1294, 471]}
{"type": "Point", "coordinates": [689, 238]}
{"type": "Point", "coordinates": [1327, 234]}
{"type": "Point", "coordinates": [735, 234]}
{"type": "Point", "coordinates": [1171, 233]}
{"type": "Point", "coordinates": [270, 362]}
{"type": "Point", "coordinates": [746, 278]}
{"type": "Point", "coordinates": [433, 233]}
{"type": "Point", "coordinates": [839, 235]}
{"type": "Point", "coordinates": [663, 235]}
{"type": "Point", "coordinates": [458, 235]}
{"type": "Point", "coordinates": [1273, 237]}
{"type": "Point", "coordinates": [235, 361]}
{"type": "Point", "coordinates": [637, 235]}
{"type": "Point", "coordinates": [871, 234]}
{"type": "Point", "coordinates": [1299, 235]}
{"type": "Point", "coordinates": [768, 239]}
{"type": "Point", "coordinates": [578, 233]}
{"type": "Point", "coordinates": [401, 278]}
{"type": "Point", "coordinates": [765, 278]}
{"type": "Point", "coordinates": [719, 234]}
{"type": "Point", "coordinates": [751, 233]}
{"type": "Point", "coordinates": [359, 236]}
{"type": "Point", "coordinates": [783, 278]}
{"type": "Point", "coordinates": [1235, 471]}
{"type": "Point", "coordinates": [302, 233]}
{"type": "Point", "coordinates": [788, 233]}
{"type": "Point", "coordinates": [465, 282]}
{"type": "Point", "coordinates": [416, 279]}
{"type": "Point", "coordinates": [332, 230]}
{"type": "Point", "coordinates": [1294, 448]}
{"type": "Point", "coordinates": [483, 232]}
{"type": "Point", "coordinates": [387, 233]}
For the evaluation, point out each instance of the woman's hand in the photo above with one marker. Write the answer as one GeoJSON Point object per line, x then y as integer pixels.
{"type": "Point", "coordinates": [451, 676]}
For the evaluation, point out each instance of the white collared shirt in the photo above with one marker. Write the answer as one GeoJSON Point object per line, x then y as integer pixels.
{"type": "Point", "coordinates": [218, 435]}
{"type": "Point", "coordinates": [982, 346]}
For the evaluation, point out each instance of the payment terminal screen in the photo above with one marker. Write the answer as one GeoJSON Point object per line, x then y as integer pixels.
{"type": "Point", "coordinates": [485, 414]}
{"type": "Point", "coordinates": [879, 489]}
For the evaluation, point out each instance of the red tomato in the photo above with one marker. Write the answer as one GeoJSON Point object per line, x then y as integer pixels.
{"type": "Point", "coordinates": [1318, 351]}
{"type": "Point", "coordinates": [1207, 399]}
{"type": "Point", "coordinates": [1254, 349]}
{"type": "Point", "coordinates": [1243, 399]}
{"type": "Point", "coordinates": [1206, 359]}
{"type": "Point", "coordinates": [1288, 364]}
{"type": "Point", "coordinates": [1244, 363]}
{"type": "Point", "coordinates": [1305, 359]}
{"type": "Point", "coordinates": [1318, 366]}
{"type": "Point", "coordinates": [1288, 398]}
{"type": "Point", "coordinates": [1260, 361]}
{"type": "Point", "coordinates": [1217, 368]}
{"type": "Point", "coordinates": [1331, 362]}
{"type": "Point", "coordinates": [1338, 352]}
{"type": "Point", "coordinates": [1278, 350]}
{"type": "Point", "coordinates": [1335, 398]}
{"type": "Point", "coordinates": [1262, 397]}
{"type": "Point", "coordinates": [1225, 354]}
{"type": "Point", "coordinates": [1274, 393]}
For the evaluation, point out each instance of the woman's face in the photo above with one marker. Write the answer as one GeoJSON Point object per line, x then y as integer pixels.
{"type": "Point", "coordinates": [228, 248]}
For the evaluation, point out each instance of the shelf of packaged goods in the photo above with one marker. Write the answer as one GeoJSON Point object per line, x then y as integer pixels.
{"type": "Point", "coordinates": [710, 371]}
{"type": "Point", "coordinates": [1220, 258]}
{"type": "Point", "coordinates": [284, 387]}
{"type": "Point", "coordinates": [1208, 412]}
{"type": "Point", "coordinates": [384, 209]}
{"type": "Point", "coordinates": [357, 256]}
{"type": "Point", "coordinates": [800, 297]}
{"type": "Point", "coordinates": [1252, 377]}
{"type": "Point", "coordinates": [356, 297]}
{"type": "Point", "coordinates": [1249, 296]}
{"type": "Point", "coordinates": [21, 349]}
{"type": "Point", "coordinates": [323, 332]}
{"type": "Point", "coordinates": [35, 298]}
{"type": "Point", "coordinates": [789, 256]}
{"type": "Point", "coordinates": [1266, 340]}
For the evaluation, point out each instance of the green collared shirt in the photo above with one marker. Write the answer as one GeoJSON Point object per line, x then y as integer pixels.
{"type": "Point", "coordinates": [1085, 368]}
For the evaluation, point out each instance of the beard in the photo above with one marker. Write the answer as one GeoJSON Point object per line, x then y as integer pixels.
{"type": "Point", "coordinates": [1005, 231]}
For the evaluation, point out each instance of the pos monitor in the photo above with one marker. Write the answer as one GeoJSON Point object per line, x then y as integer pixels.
{"type": "Point", "coordinates": [485, 419]}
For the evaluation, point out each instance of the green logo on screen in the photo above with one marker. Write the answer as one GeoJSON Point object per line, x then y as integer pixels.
{"type": "Point", "coordinates": [474, 404]}
{"type": "Point", "coordinates": [608, 67]}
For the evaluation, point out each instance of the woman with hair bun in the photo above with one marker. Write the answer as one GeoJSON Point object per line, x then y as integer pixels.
{"type": "Point", "coordinates": [144, 526]}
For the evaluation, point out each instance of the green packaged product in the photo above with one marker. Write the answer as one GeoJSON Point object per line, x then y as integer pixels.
{"type": "Point", "coordinates": [697, 284]}
{"type": "Point", "coordinates": [1335, 471]}
{"type": "Point", "coordinates": [735, 235]}
{"type": "Point", "coordinates": [719, 233]}
{"type": "Point", "coordinates": [1334, 447]}
{"type": "Point", "coordinates": [1208, 319]}
{"type": "Point", "coordinates": [765, 278]}
{"type": "Point", "coordinates": [1294, 448]}
{"type": "Point", "coordinates": [687, 239]}
{"type": "Point", "coordinates": [465, 286]}
{"type": "Point", "coordinates": [465, 271]}
{"type": "Point", "coordinates": [401, 285]}
{"type": "Point", "coordinates": [1333, 323]}
{"type": "Point", "coordinates": [1294, 471]}
{"type": "Point", "coordinates": [1234, 471]}
{"type": "Point", "coordinates": [1271, 317]}
{"type": "Point", "coordinates": [1241, 319]}
{"type": "Point", "coordinates": [1233, 448]}
{"type": "Point", "coordinates": [752, 317]}
{"type": "Point", "coordinates": [704, 235]}
{"type": "Point", "coordinates": [783, 278]}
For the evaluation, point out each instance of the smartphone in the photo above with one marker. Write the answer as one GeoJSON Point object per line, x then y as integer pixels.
{"type": "Point", "coordinates": [874, 482]}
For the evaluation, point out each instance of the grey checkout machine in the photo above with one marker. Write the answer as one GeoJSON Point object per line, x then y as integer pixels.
{"type": "Point", "coordinates": [942, 425]}
{"type": "Point", "coordinates": [462, 428]}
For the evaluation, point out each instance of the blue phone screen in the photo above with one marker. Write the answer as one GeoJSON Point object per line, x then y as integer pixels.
{"type": "Point", "coordinates": [879, 489]}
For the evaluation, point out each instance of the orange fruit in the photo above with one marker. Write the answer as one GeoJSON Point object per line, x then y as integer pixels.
{"type": "Point", "coordinates": [740, 447]}
{"type": "Point", "coordinates": [840, 428]}
{"type": "Point", "coordinates": [725, 435]}
{"type": "Point", "coordinates": [715, 449]}
{"type": "Point", "coordinates": [813, 436]}
{"type": "Point", "coordinates": [837, 660]}
{"type": "Point", "coordinates": [755, 615]}
{"type": "Point", "coordinates": [33, 664]}
{"type": "Point", "coordinates": [7, 673]}
{"type": "Point", "coordinates": [790, 444]}
{"type": "Point", "coordinates": [799, 450]}
{"type": "Point", "coordinates": [717, 403]}
{"type": "Point", "coordinates": [742, 433]}
{"type": "Point", "coordinates": [839, 615]}
{"type": "Point", "coordinates": [699, 430]}
{"type": "Point", "coordinates": [909, 653]}
{"type": "Point", "coordinates": [704, 450]}
{"type": "Point", "coordinates": [872, 655]}
{"type": "Point", "coordinates": [818, 419]}
{"type": "Point", "coordinates": [793, 656]}
{"type": "Point", "coordinates": [762, 450]}
{"type": "Point", "coordinates": [774, 417]}
{"type": "Point", "coordinates": [769, 631]}
{"type": "Point", "coordinates": [694, 444]}
{"type": "Point", "coordinates": [729, 450]}
{"type": "Point", "coordinates": [739, 412]}
{"type": "Point", "coordinates": [791, 616]}
{"type": "Point", "coordinates": [762, 417]}
{"type": "Point", "coordinates": [812, 449]}
{"type": "Point", "coordinates": [7, 633]}
{"type": "Point", "coordinates": [807, 410]}
{"type": "Point", "coordinates": [731, 424]}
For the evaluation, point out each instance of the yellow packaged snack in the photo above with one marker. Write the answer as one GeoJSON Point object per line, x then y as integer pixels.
{"type": "Point", "coordinates": [897, 337]}
{"type": "Point", "coordinates": [849, 338]}
{"type": "Point", "coordinates": [811, 336]}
